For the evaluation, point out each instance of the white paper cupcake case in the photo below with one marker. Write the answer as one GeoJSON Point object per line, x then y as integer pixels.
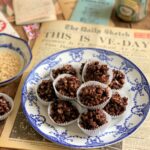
{"type": "Point", "coordinates": [44, 103]}
{"type": "Point", "coordinates": [62, 97]}
{"type": "Point", "coordinates": [110, 73]}
{"type": "Point", "coordinates": [122, 114]}
{"type": "Point", "coordinates": [94, 83]}
{"type": "Point", "coordinates": [79, 108]}
{"type": "Point", "coordinates": [98, 130]}
{"type": "Point", "coordinates": [60, 66]}
{"type": "Point", "coordinates": [11, 102]}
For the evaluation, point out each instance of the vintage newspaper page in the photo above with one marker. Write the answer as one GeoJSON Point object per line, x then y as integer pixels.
{"type": "Point", "coordinates": [59, 35]}
{"type": "Point", "coordinates": [140, 139]}
{"type": "Point", "coordinates": [67, 7]}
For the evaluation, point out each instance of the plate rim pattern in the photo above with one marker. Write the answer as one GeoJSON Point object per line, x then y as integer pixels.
{"type": "Point", "coordinates": [55, 140]}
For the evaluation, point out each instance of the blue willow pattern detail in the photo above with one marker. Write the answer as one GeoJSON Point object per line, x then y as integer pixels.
{"type": "Point", "coordinates": [103, 57]}
{"type": "Point", "coordinates": [122, 129]}
{"type": "Point", "coordinates": [93, 140]}
{"type": "Point", "coordinates": [96, 140]}
{"type": "Point", "coordinates": [38, 119]}
{"type": "Point", "coordinates": [138, 110]}
{"type": "Point", "coordinates": [138, 88]}
{"type": "Point", "coordinates": [10, 46]}
{"type": "Point", "coordinates": [76, 55]}
{"type": "Point", "coordinates": [125, 67]}
{"type": "Point", "coordinates": [52, 63]}
{"type": "Point", "coordinates": [34, 79]}
{"type": "Point", "coordinates": [62, 136]}
{"type": "Point", "coordinates": [31, 96]}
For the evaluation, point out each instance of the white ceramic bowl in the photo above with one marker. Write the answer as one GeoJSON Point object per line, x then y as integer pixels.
{"type": "Point", "coordinates": [11, 102]}
{"type": "Point", "coordinates": [21, 47]}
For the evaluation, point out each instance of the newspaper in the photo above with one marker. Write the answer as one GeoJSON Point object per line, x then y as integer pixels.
{"type": "Point", "coordinates": [133, 44]}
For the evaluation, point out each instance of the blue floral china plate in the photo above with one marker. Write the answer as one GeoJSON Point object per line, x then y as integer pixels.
{"type": "Point", "coordinates": [136, 89]}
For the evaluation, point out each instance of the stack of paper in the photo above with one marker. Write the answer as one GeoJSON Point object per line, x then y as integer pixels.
{"type": "Point", "coordinates": [67, 7]}
{"type": "Point", "coordinates": [33, 11]}
{"type": "Point", "coordinates": [5, 26]}
{"type": "Point", "coordinates": [93, 11]}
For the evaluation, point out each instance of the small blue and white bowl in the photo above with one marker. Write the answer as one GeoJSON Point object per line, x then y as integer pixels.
{"type": "Point", "coordinates": [21, 47]}
{"type": "Point", "coordinates": [11, 103]}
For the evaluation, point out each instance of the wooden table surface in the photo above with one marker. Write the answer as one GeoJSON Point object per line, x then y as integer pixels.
{"type": "Point", "coordinates": [12, 88]}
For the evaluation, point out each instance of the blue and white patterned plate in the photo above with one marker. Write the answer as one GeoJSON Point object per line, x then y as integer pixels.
{"type": "Point", "coordinates": [136, 89]}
